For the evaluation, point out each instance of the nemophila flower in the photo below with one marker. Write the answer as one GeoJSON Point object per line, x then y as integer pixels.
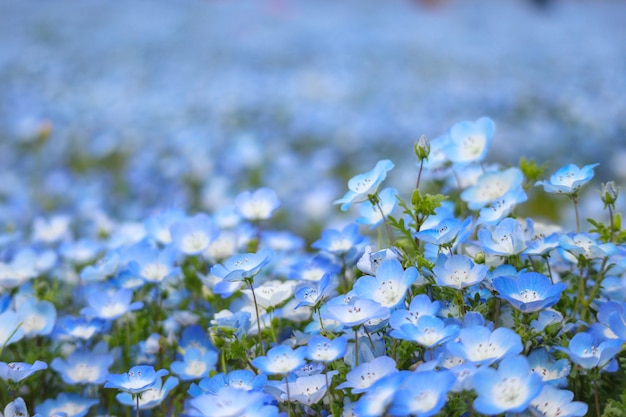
{"type": "Point", "coordinates": [152, 264]}
{"type": "Point", "coordinates": [458, 271]}
{"type": "Point", "coordinates": [103, 269]}
{"type": "Point", "coordinates": [511, 388]}
{"type": "Point", "coordinates": [429, 331]}
{"type": "Point", "coordinates": [389, 286]}
{"type": "Point", "coordinates": [244, 266]}
{"type": "Point", "coordinates": [280, 359]}
{"type": "Point", "coordinates": [554, 402]}
{"type": "Point", "coordinates": [529, 291]}
{"type": "Point", "coordinates": [69, 328]}
{"type": "Point", "coordinates": [195, 337]}
{"type": "Point", "coordinates": [363, 376]}
{"type": "Point", "coordinates": [469, 141]}
{"type": "Point", "coordinates": [83, 367]}
{"type": "Point", "coordinates": [243, 379]}
{"type": "Point", "coordinates": [542, 245]}
{"type": "Point", "coordinates": [501, 207]}
{"type": "Point", "coordinates": [506, 239]}
{"type": "Point", "coordinates": [370, 214]}
{"type": "Point", "coordinates": [231, 324]}
{"type": "Point", "coordinates": [18, 371]}
{"type": "Point", "coordinates": [444, 232]}
{"type": "Point", "coordinates": [481, 346]}
{"type": "Point", "coordinates": [231, 402]}
{"type": "Point", "coordinates": [68, 405]}
{"type": "Point", "coordinates": [314, 268]}
{"type": "Point", "coordinates": [355, 312]}
{"type": "Point", "coordinates": [420, 306]}
{"type": "Point", "coordinates": [81, 251]}
{"type": "Point", "coordinates": [52, 229]}
{"type": "Point", "coordinates": [271, 293]}
{"type": "Point", "coordinates": [10, 328]}
{"type": "Point", "coordinates": [569, 179]}
{"type": "Point", "coordinates": [158, 226]}
{"type": "Point", "coordinates": [588, 352]}
{"type": "Point", "coordinates": [137, 380]}
{"type": "Point", "coordinates": [545, 318]}
{"type": "Point", "coordinates": [16, 273]}
{"type": "Point", "coordinates": [16, 408]}
{"type": "Point", "coordinates": [370, 261]}
{"type": "Point", "coordinates": [151, 397]}
{"type": "Point", "coordinates": [195, 364]}
{"type": "Point", "coordinates": [110, 306]}
{"type": "Point", "coordinates": [492, 186]}
{"type": "Point", "coordinates": [346, 243]}
{"type": "Point", "coordinates": [257, 205]}
{"type": "Point", "coordinates": [312, 294]}
{"type": "Point", "coordinates": [375, 401]}
{"type": "Point", "coordinates": [585, 245]}
{"type": "Point", "coordinates": [551, 370]}
{"type": "Point", "coordinates": [37, 317]}
{"type": "Point", "coordinates": [422, 393]}
{"type": "Point", "coordinates": [306, 390]}
{"type": "Point", "coordinates": [361, 186]}
{"type": "Point", "coordinates": [322, 349]}
{"type": "Point", "coordinates": [193, 235]}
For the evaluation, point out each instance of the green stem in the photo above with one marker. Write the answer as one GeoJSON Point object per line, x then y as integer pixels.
{"type": "Point", "coordinates": [575, 201]}
{"type": "Point", "coordinates": [258, 319]}
{"type": "Point", "coordinates": [356, 347]}
{"type": "Point", "coordinates": [419, 174]}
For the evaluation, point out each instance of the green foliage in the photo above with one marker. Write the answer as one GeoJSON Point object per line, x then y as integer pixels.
{"type": "Point", "coordinates": [532, 172]}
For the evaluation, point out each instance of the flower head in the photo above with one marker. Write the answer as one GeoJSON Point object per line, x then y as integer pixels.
{"type": "Point", "coordinates": [363, 185]}
{"type": "Point", "coordinates": [569, 179]}
{"type": "Point", "coordinates": [529, 291]}
{"type": "Point", "coordinates": [137, 380]}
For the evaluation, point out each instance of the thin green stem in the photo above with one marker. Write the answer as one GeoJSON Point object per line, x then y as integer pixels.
{"type": "Point", "coordinates": [419, 174]}
{"type": "Point", "coordinates": [258, 318]}
{"type": "Point", "coordinates": [356, 347]}
{"type": "Point", "coordinates": [575, 201]}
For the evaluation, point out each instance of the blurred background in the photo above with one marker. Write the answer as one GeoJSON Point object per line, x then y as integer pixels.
{"type": "Point", "coordinates": [136, 106]}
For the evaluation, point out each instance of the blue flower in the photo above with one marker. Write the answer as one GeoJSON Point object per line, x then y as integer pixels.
{"type": "Point", "coordinates": [552, 401]}
{"type": "Point", "coordinates": [529, 291]}
{"type": "Point", "coordinates": [469, 141]}
{"type": "Point", "coordinates": [375, 401]}
{"type": "Point", "coordinates": [569, 179]}
{"type": "Point", "coordinates": [366, 374]}
{"type": "Point", "coordinates": [306, 389]}
{"type": "Point", "coordinates": [152, 264]}
{"type": "Point", "coordinates": [70, 405]}
{"type": "Point", "coordinates": [137, 380]}
{"type": "Point", "coordinates": [314, 268]}
{"type": "Point", "coordinates": [280, 359]}
{"type": "Point", "coordinates": [492, 186]}
{"type": "Point", "coordinates": [370, 213]}
{"type": "Point", "coordinates": [586, 245]}
{"type": "Point", "coordinates": [151, 397]}
{"type": "Point", "coordinates": [502, 207]}
{"type": "Point", "coordinates": [511, 388]}
{"type": "Point", "coordinates": [110, 306]}
{"type": "Point", "coordinates": [422, 394]}
{"type": "Point", "coordinates": [16, 408]}
{"type": "Point", "coordinates": [313, 295]}
{"type": "Point", "coordinates": [158, 226]}
{"type": "Point", "coordinates": [18, 371]}
{"type": "Point", "coordinates": [429, 331]}
{"type": "Point", "coordinates": [346, 243]}
{"type": "Point", "coordinates": [458, 271]}
{"type": "Point", "coordinates": [37, 317]}
{"type": "Point", "coordinates": [193, 235]}
{"type": "Point", "coordinates": [243, 266]}
{"type": "Point", "coordinates": [101, 270]}
{"type": "Point", "coordinates": [389, 286]}
{"type": "Point", "coordinates": [481, 346]}
{"type": "Point", "coordinates": [257, 205]}
{"type": "Point", "coordinates": [243, 379]}
{"type": "Point", "coordinates": [83, 367]}
{"type": "Point", "coordinates": [10, 328]}
{"type": "Point", "coordinates": [355, 312]}
{"type": "Point", "coordinates": [195, 364]}
{"type": "Point", "coordinates": [370, 261]}
{"type": "Point", "coordinates": [589, 352]}
{"type": "Point", "coordinates": [322, 349]}
{"type": "Point", "coordinates": [506, 239]}
{"type": "Point", "coordinates": [230, 402]}
{"type": "Point", "coordinates": [420, 306]}
{"type": "Point", "coordinates": [77, 328]}
{"type": "Point", "coordinates": [551, 370]}
{"type": "Point", "coordinates": [363, 185]}
{"type": "Point", "coordinates": [444, 232]}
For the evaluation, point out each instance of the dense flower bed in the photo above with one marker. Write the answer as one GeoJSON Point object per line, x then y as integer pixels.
{"type": "Point", "coordinates": [439, 299]}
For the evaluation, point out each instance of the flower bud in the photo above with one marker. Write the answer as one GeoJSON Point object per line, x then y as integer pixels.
{"type": "Point", "coordinates": [422, 148]}
{"type": "Point", "coordinates": [609, 193]}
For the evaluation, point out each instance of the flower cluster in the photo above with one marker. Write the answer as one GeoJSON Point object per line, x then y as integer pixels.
{"type": "Point", "coordinates": [462, 306]}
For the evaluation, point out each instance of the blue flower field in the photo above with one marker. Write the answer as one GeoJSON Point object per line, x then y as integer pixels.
{"type": "Point", "coordinates": [213, 208]}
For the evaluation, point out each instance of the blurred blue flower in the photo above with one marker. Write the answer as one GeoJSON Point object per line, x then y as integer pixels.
{"type": "Point", "coordinates": [492, 186]}
{"type": "Point", "coordinates": [83, 367]}
{"type": "Point", "coordinates": [509, 389]}
{"type": "Point", "coordinates": [243, 266]}
{"type": "Point", "coordinates": [429, 331]}
{"type": "Point", "coordinates": [551, 370]}
{"type": "Point", "coordinates": [37, 317]}
{"type": "Point", "coordinates": [16, 408]}
{"type": "Point", "coordinates": [501, 207]}
{"type": "Point", "coordinates": [354, 312]}
{"type": "Point", "coordinates": [589, 352]}
{"type": "Point", "coordinates": [529, 291]}
{"type": "Point", "coordinates": [371, 215]}
{"type": "Point", "coordinates": [243, 379]}
{"type": "Point", "coordinates": [10, 328]}
{"type": "Point", "coordinates": [257, 205]}
{"type": "Point", "coordinates": [322, 349]}
{"type": "Point", "coordinates": [150, 397]}
{"type": "Point", "coordinates": [422, 394]}
{"type": "Point", "coordinates": [195, 364]}
{"type": "Point", "coordinates": [552, 401]}
{"type": "Point", "coordinates": [346, 243]}
{"type": "Point", "coordinates": [361, 186]}
{"type": "Point", "coordinates": [469, 141]}
{"type": "Point", "coordinates": [312, 295]}
{"type": "Point", "coordinates": [193, 235]}
{"type": "Point", "coordinates": [586, 245]}
{"type": "Point", "coordinates": [569, 179]}
{"type": "Point", "coordinates": [110, 306]}
{"type": "Point", "coordinates": [72, 405]}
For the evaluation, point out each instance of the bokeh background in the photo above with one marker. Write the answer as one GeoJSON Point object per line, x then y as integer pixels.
{"type": "Point", "coordinates": [131, 107]}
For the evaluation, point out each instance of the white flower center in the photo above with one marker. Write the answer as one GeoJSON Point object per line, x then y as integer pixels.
{"type": "Point", "coordinates": [195, 242]}
{"type": "Point", "coordinates": [82, 372]}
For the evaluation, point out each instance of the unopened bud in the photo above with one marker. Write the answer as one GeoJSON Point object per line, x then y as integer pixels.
{"type": "Point", "coordinates": [609, 193]}
{"type": "Point", "coordinates": [422, 148]}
